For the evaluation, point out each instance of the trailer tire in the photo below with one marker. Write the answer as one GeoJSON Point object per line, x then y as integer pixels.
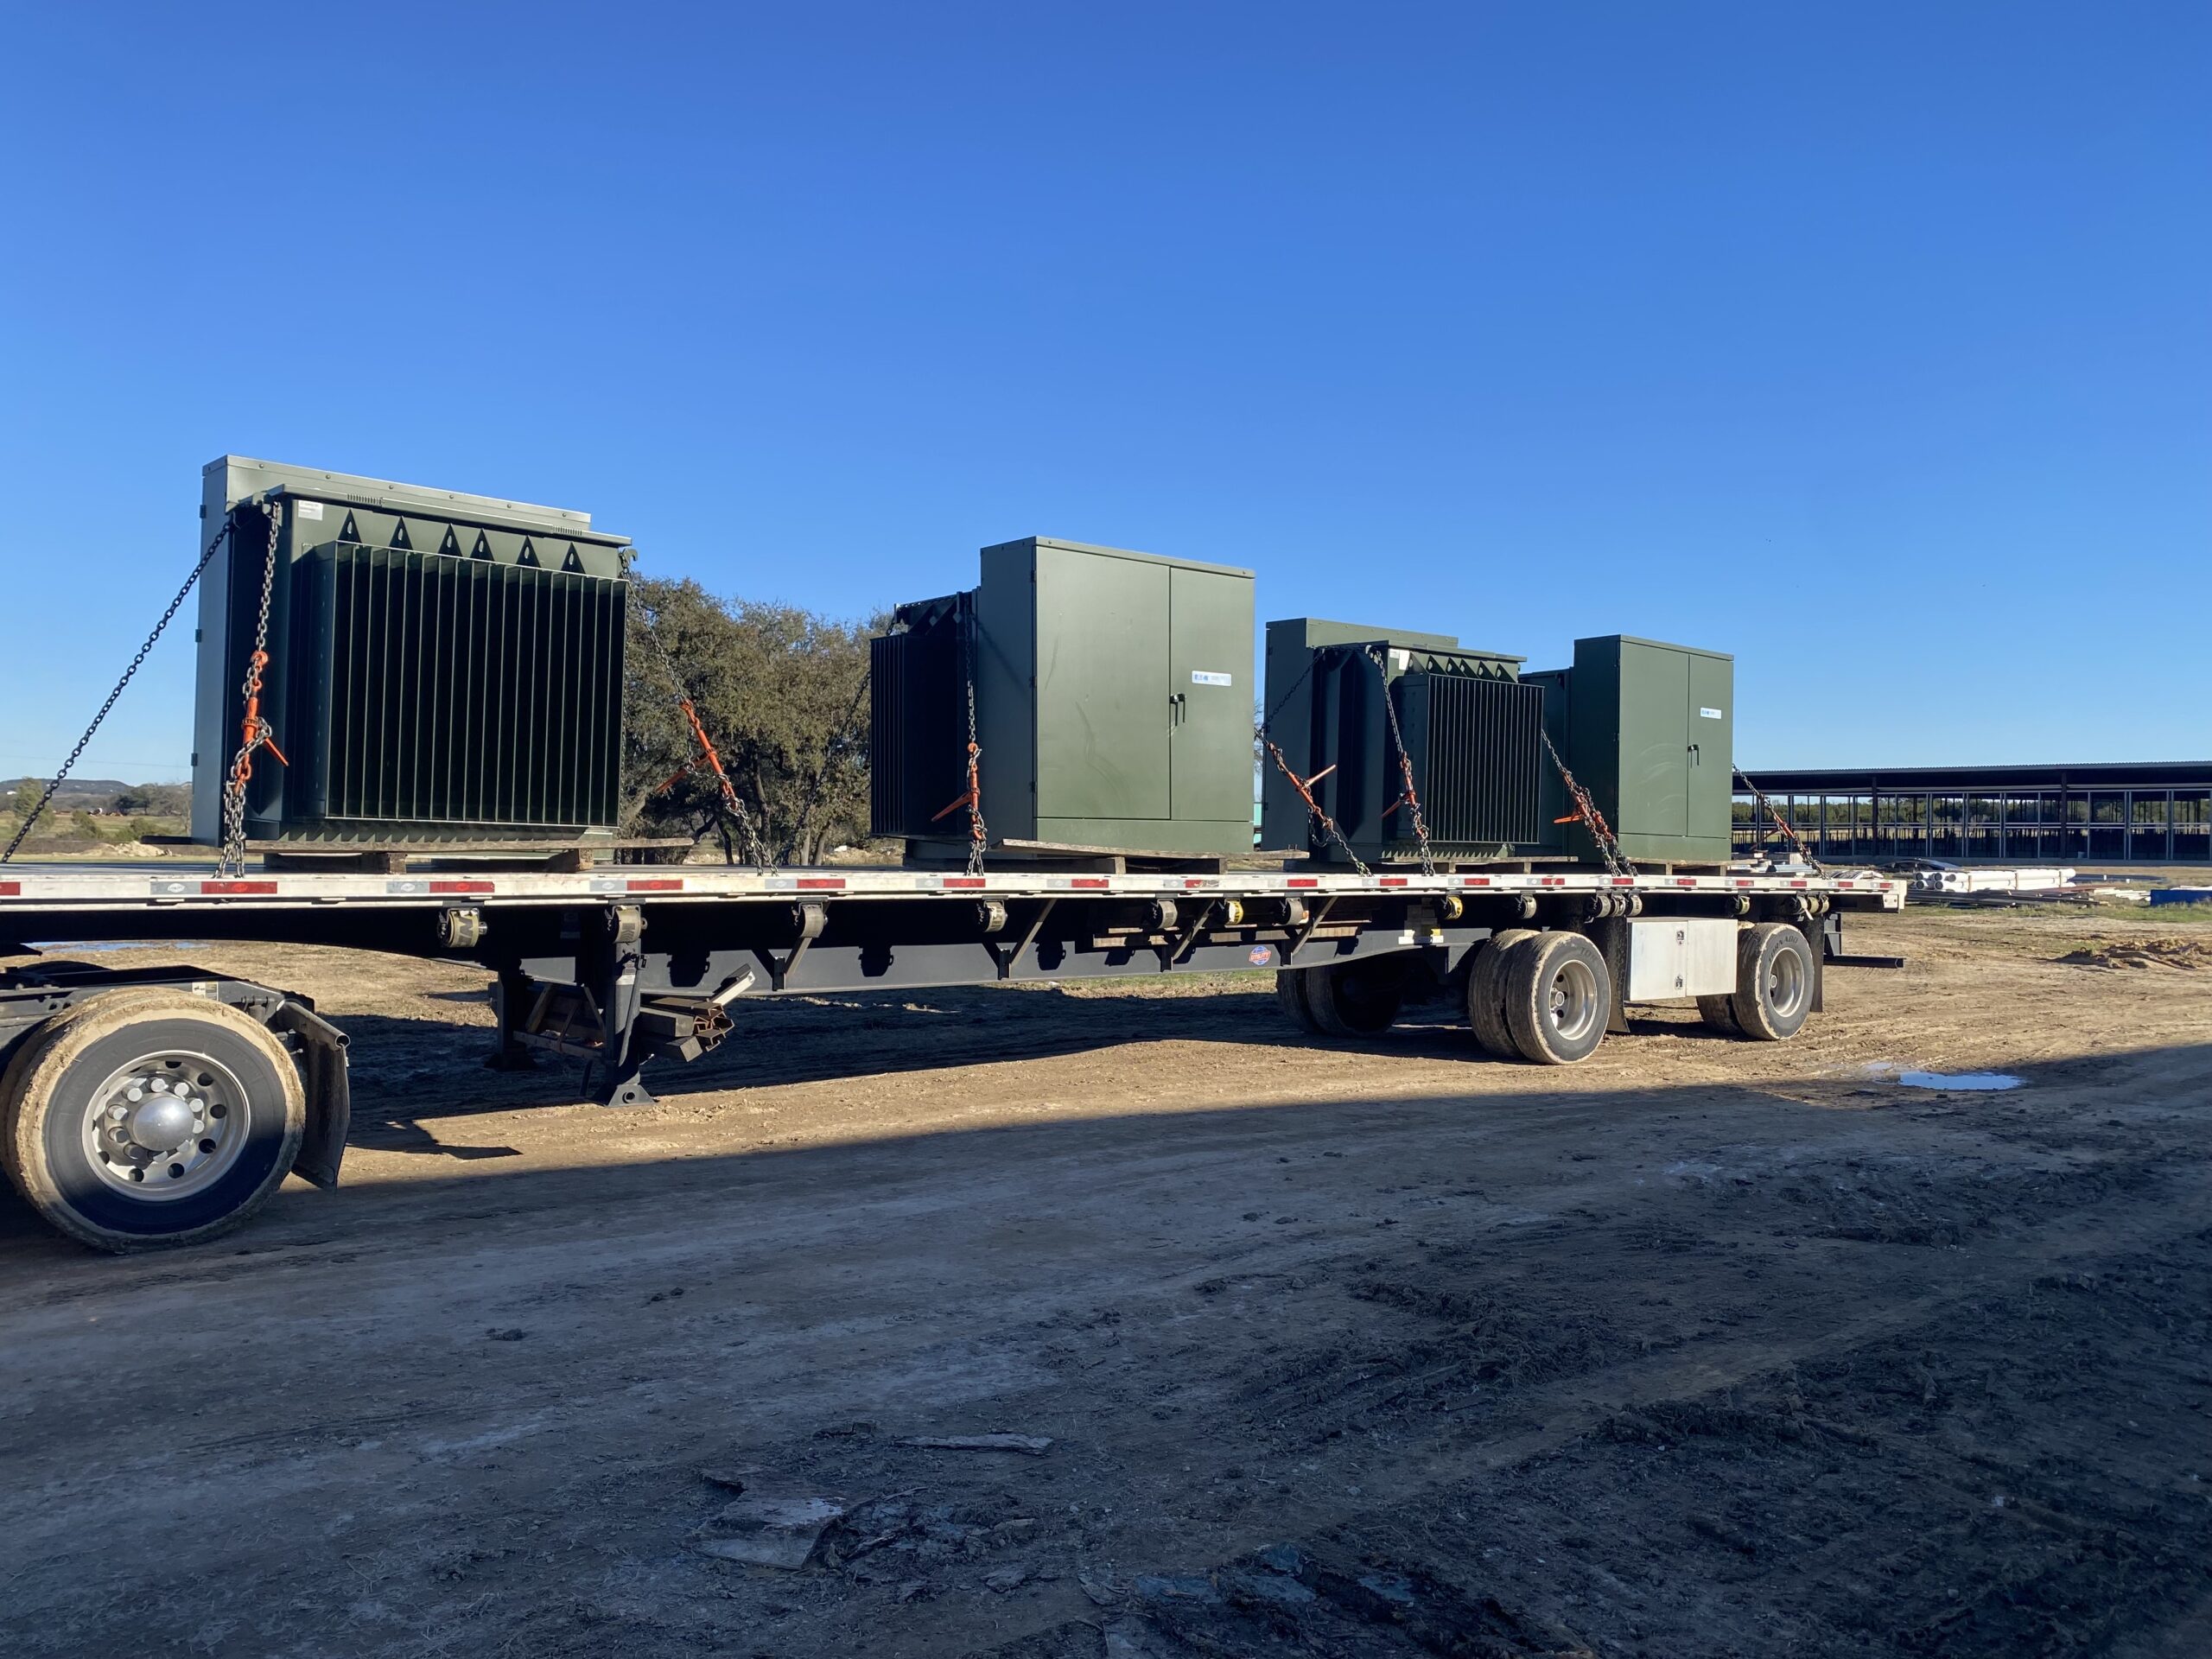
{"type": "Point", "coordinates": [1720, 1012]}
{"type": "Point", "coordinates": [1558, 996]}
{"type": "Point", "coordinates": [102, 1145]}
{"type": "Point", "coordinates": [1290, 991]}
{"type": "Point", "coordinates": [1355, 999]}
{"type": "Point", "coordinates": [1486, 992]}
{"type": "Point", "coordinates": [1773, 982]}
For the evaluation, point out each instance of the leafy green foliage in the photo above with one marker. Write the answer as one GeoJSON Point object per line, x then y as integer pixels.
{"type": "Point", "coordinates": [782, 693]}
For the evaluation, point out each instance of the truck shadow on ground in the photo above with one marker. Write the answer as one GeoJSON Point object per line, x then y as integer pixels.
{"type": "Point", "coordinates": [407, 1071]}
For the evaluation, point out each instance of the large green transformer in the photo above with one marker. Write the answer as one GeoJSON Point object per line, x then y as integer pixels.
{"type": "Point", "coordinates": [441, 667]}
{"type": "Point", "coordinates": [1470, 728]}
{"type": "Point", "coordinates": [1649, 730]}
{"type": "Point", "coordinates": [1113, 704]}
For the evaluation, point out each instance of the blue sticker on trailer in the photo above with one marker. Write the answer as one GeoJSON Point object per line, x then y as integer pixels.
{"type": "Point", "coordinates": [1262, 955]}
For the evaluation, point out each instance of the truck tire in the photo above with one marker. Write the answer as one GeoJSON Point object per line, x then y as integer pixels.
{"type": "Point", "coordinates": [1486, 992]}
{"type": "Point", "coordinates": [1290, 991]}
{"type": "Point", "coordinates": [148, 1118]}
{"type": "Point", "coordinates": [1773, 982]}
{"type": "Point", "coordinates": [1355, 999]}
{"type": "Point", "coordinates": [1720, 1012]}
{"type": "Point", "coordinates": [1557, 997]}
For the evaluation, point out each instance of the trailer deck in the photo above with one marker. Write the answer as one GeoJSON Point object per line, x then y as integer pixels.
{"type": "Point", "coordinates": [158, 1107]}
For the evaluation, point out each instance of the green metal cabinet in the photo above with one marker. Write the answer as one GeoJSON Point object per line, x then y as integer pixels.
{"type": "Point", "coordinates": [1114, 699]}
{"type": "Point", "coordinates": [1649, 729]}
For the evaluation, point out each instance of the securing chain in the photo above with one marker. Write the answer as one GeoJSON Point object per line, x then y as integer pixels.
{"type": "Point", "coordinates": [978, 833]}
{"type": "Point", "coordinates": [728, 801]}
{"type": "Point", "coordinates": [1587, 813]}
{"type": "Point", "coordinates": [1410, 800]}
{"type": "Point", "coordinates": [1304, 788]}
{"type": "Point", "coordinates": [254, 731]}
{"type": "Point", "coordinates": [1315, 815]}
{"type": "Point", "coordinates": [23, 832]}
{"type": "Point", "coordinates": [1780, 823]}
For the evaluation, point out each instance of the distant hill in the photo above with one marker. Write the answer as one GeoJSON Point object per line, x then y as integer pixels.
{"type": "Point", "coordinates": [101, 795]}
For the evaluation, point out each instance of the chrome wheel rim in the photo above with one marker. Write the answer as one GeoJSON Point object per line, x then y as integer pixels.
{"type": "Point", "coordinates": [166, 1126]}
{"type": "Point", "coordinates": [1573, 1000]}
{"type": "Point", "coordinates": [1785, 982]}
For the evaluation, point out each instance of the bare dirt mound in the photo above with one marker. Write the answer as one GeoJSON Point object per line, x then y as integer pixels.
{"type": "Point", "coordinates": [2186, 954]}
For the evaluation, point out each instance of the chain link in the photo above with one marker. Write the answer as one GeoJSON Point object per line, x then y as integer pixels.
{"type": "Point", "coordinates": [1304, 788]}
{"type": "Point", "coordinates": [1305, 785]}
{"type": "Point", "coordinates": [1789, 834]}
{"type": "Point", "coordinates": [978, 835]}
{"type": "Point", "coordinates": [254, 733]}
{"type": "Point", "coordinates": [1586, 811]}
{"type": "Point", "coordinates": [23, 832]}
{"type": "Point", "coordinates": [1411, 800]}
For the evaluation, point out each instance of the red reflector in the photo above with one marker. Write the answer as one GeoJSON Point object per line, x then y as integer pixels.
{"type": "Point", "coordinates": [1800, 884]}
{"type": "Point", "coordinates": [1478, 880]}
{"type": "Point", "coordinates": [1554, 880]}
{"type": "Point", "coordinates": [460, 886]}
{"type": "Point", "coordinates": [227, 887]}
{"type": "Point", "coordinates": [1303, 881]}
{"type": "Point", "coordinates": [1624, 881]}
{"type": "Point", "coordinates": [821, 883]}
{"type": "Point", "coordinates": [963, 880]}
{"type": "Point", "coordinates": [11, 889]}
{"type": "Point", "coordinates": [1088, 882]}
{"type": "Point", "coordinates": [1685, 880]}
{"type": "Point", "coordinates": [1844, 884]}
{"type": "Point", "coordinates": [659, 884]}
{"type": "Point", "coordinates": [1394, 880]}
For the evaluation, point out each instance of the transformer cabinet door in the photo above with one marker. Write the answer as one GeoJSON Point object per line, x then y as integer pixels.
{"type": "Point", "coordinates": [1654, 751]}
{"type": "Point", "coordinates": [1711, 751]}
{"type": "Point", "coordinates": [1210, 666]}
{"type": "Point", "coordinates": [1102, 713]}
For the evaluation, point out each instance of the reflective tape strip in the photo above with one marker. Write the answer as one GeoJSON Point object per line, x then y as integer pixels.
{"type": "Point", "coordinates": [463, 886]}
{"type": "Point", "coordinates": [233, 889]}
{"type": "Point", "coordinates": [656, 884]}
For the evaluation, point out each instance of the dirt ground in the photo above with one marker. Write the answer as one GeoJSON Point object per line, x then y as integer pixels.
{"type": "Point", "coordinates": [1703, 1348]}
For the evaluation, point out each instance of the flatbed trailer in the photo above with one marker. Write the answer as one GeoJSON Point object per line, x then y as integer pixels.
{"type": "Point", "coordinates": [147, 1107]}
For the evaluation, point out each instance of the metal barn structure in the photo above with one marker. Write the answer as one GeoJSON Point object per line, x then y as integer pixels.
{"type": "Point", "coordinates": [2158, 812]}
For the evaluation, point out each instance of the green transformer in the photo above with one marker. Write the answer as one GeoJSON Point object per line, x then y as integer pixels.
{"type": "Point", "coordinates": [1648, 728]}
{"type": "Point", "coordinates": [1345, 702]}
{"type": "Point", "coordinates": [437, 667]}
{"type": "Point", "coordinates": [1113, 706]}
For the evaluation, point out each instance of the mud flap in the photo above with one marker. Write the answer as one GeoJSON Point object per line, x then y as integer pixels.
{"type": "Point", "coordinates": [330, 1098]}
{"type": "Point", "coordinates": [1816, 938]}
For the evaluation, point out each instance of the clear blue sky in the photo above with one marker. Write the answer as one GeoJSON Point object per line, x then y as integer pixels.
{"type": "Point", "coordinates": [1871, 342]}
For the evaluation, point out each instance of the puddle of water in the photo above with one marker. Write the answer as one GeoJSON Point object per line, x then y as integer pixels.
{"type": "Point", "coordinates": [1965, 1082]}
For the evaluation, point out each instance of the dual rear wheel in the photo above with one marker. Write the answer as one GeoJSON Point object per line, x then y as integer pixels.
{"type": "Point", "coordinates": [1545, 997]}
